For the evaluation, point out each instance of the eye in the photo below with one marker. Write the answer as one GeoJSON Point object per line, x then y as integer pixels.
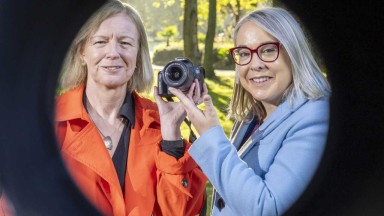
{"type": "Point", "coordinates": [99, 42]}
{"type": "Point", "coordinates": [269, 49]}
{"type": "Point", "coordinates": [125, 43]}
{"type": "Point", "coordinates": [243, 53]}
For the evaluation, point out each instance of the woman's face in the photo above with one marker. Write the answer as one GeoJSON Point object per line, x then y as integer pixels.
{"type": "Point", "coordinates": [265, 81]}
{"type": "Point", "coordinates": [110, 53]}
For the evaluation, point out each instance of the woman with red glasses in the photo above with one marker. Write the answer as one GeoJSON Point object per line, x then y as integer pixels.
{"type": "Point", "coordinates": [281, 107]}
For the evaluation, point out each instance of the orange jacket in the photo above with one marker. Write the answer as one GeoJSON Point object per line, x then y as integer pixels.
{"type": "Point", "coordinates": [155, 182]}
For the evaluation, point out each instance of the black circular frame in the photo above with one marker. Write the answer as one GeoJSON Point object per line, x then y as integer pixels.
{"type": "Point", "coordinates": [35, 35]}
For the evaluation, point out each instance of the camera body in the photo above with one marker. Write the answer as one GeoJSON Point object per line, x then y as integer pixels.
{"type": "Point", "coordinates": [179, 73]}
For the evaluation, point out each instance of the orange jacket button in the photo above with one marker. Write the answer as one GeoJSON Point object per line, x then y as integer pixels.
{"type": "Point", "coordinates": [184, 182]}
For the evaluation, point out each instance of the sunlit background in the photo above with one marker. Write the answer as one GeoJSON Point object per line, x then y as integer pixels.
{"type": "Point", "coordinates": [165, 22]}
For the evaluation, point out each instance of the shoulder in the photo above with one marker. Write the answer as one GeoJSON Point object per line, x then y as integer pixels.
{"type": "Point", "coordinates": [314, 108]}
{"type": "Point", "coordinates": [144, 103]}
{"type": "Point", "coordinates": [69, 104]}
{"type": "Point", "coordinates": [303, 116]}
{"type": "Point", "coordinates": [69, 94]}
{"type": "Point", "coordinates": [146, 110]}
{"type": "Point", "coordinates": [312, 116]}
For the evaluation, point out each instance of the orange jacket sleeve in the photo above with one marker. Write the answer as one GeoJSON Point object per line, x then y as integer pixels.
{"type": "Point", "coordinates": [180, 185]}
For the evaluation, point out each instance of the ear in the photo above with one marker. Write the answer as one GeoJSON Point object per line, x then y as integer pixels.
{"type": "Point", "coordinates": [80, 54]}
{"type": "Point", "coordinates": [82, 60]}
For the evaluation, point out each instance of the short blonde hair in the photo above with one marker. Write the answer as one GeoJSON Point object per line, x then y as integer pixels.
{"type": "Point", "coordinates": [74, 74]}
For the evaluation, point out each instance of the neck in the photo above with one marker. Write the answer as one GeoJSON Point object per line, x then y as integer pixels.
{"type": "Point", "coordinates": [106, 103]}
{"type": "Point", "coordinates": [269, 108]}
{"type": "Point", "coordinates": [110, 125]}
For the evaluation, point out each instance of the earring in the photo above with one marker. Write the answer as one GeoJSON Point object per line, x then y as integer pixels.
{"type": "Point", "coordinates": [237, 79]}
{"type": "Point", "coordinates": [83, 63]}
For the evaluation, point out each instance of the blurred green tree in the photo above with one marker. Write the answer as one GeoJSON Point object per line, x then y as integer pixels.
{"type": "Point", "coordinates": [209, 40]}
{"type": "Point", "coordinates": [168, 33]}
{"type": "Point", "coordinates": [191, 50]}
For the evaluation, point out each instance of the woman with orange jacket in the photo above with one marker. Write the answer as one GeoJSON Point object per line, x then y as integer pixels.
{"type": "Point", "coordinates": [111, 139]}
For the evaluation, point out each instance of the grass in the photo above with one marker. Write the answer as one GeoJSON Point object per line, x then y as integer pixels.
{"type": "Point", "coordinates": [221, 91]}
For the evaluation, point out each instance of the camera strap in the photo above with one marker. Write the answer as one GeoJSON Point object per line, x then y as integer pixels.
{"type": "Point", "coordinates": [192, 135]}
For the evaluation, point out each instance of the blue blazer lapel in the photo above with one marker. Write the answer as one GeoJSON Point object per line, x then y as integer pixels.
{"type": "Point", "coordinates": [282, 112]}
{"type": "Point", "coordinates": [238, 132]}
{"type": "Point", "coordinates": [251, 141]}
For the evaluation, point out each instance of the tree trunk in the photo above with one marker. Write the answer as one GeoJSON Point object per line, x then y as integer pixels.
{"type": "Point", "coordinates": [191, 50]}
{"type": "Point", "coordinates": [237, 14]}
{"type": "Point", "coordinates": [209, 39]}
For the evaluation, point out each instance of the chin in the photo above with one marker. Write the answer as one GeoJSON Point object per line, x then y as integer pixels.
{"type": "Point", "coordinates": [259, 96]}
{"type": "Point", "coordinates": [114, 84]}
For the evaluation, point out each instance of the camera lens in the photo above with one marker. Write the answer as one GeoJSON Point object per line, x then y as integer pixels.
{"type": "Point", "coordinates": [175, 73]}
{"type": "Point", "coordinates": [178, 74]}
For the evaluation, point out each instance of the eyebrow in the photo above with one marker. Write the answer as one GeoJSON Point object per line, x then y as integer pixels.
{"type": "Point", "coordinates": [120, 37]}
{"type": "Point", "coordinates": [270, 41]}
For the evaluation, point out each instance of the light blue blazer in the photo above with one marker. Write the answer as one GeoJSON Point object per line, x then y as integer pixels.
{"type": "Point", "coordinates": [273, 167]}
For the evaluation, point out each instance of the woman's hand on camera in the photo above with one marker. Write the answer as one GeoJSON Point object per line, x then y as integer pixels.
{"type": "Point", "coordinates": [201, 119]}
{"type": "Point", "coordinates": [172, 115]}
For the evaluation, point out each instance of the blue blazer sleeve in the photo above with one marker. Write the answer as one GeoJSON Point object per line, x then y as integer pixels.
{"type": "Point", "coordinates": [275, 170]}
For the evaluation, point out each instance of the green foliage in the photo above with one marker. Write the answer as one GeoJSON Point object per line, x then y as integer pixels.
{"type": "Point", "coordinates": [222, 60]}
{"type": "Point", "coordinates": [168, 33]}
{"type": "Point", "coordinates": [162, 56]}
{"type": "Point", "coordinates": [222, 53]}
{"type": "Point", "coordinates": [158, 14]}
{"type": "Point", "coordinates": [163, 3]}
{"type": "Point", "coordinates": [221, 92]}
{"type": "Point", "coordinates": [200, 38]}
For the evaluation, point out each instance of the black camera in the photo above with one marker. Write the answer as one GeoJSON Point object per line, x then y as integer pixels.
{"type": "Point", "coordinates": [179, 74]}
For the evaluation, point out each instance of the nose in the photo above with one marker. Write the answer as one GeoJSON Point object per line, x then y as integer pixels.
{"type": "Point", "coordinates": [113, 51]}
{"type": "Point", "coordinates": [256, 63]}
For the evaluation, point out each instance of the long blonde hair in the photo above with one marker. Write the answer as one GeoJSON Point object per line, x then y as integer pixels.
{"type": "Point", "coordinates": [74, 74]}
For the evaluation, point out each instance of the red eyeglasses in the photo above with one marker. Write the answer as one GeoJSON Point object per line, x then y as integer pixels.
{"type": "Point", "coordinates": [267, 52]}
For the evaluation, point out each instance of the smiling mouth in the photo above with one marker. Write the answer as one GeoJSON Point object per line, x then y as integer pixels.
{"type": "Point", "coordinates": [112, 67]}
{"type": "Point", "coordinates": [261, 79]}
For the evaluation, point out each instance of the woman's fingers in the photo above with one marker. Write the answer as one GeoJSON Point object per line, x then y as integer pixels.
{"type": "Point", "coordinates": [186, 100]}
{"type": "Point", "coordinates": [189, 105]}
{"type": "Point", "coordinates": [155, 95]}
{"type": "Point", "coordinates": [191, 91]}
{"type": "Point", "coordinates": [158, 99]}
{"type": "Point", "coordinates": [205, 90]}
{"type": "Point", "coordinates": [207, 100]}
{"type": "Point", "coordinates": [194, 92]}
{"type": "Point", "coordinates": [201, 119]}
{"type": "Point", "coordinates": [210, 112]}
{"type": "Point", "coordinates": [197, 92]}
